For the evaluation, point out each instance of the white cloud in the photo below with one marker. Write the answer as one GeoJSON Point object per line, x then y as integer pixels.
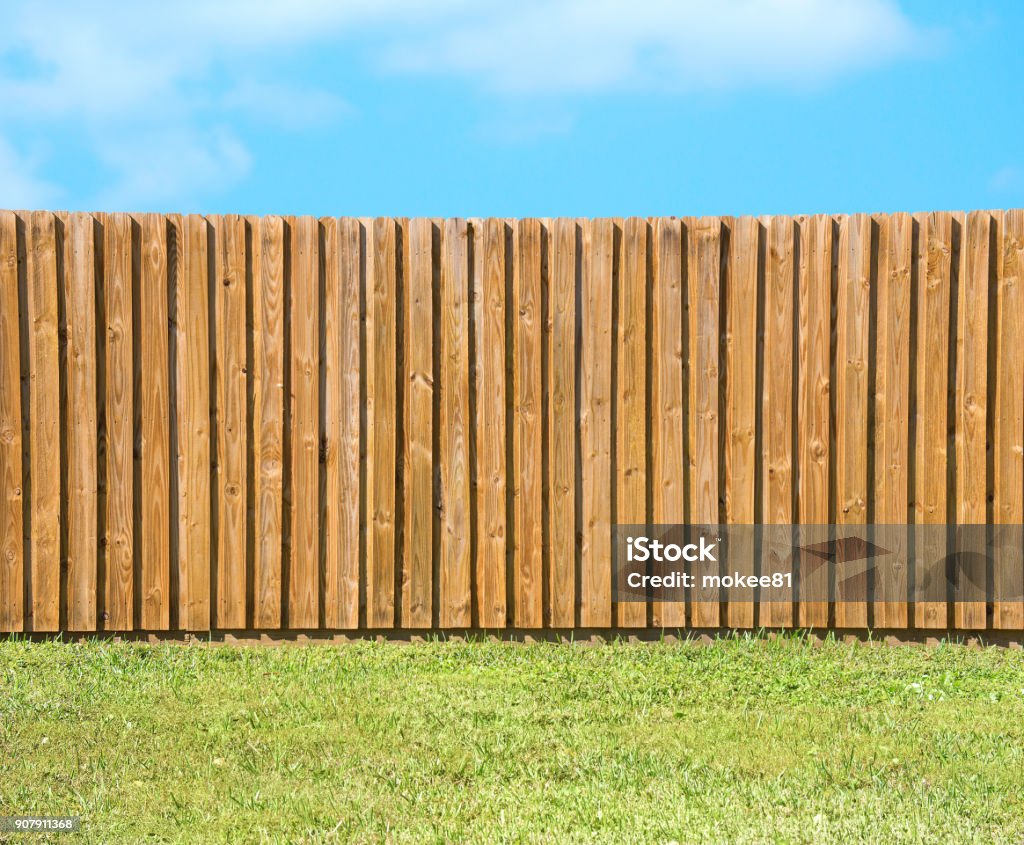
{"type": "Point", "coordinates": [286, 105]}
{"type": "Point", "coordinates": [594, 45]}
{"type": "Point", "coordinates": [21, 186]}
{"type": "Point", "coordinates": [141, 84]}
{"type": "Point", "coordinates": [162, 168]}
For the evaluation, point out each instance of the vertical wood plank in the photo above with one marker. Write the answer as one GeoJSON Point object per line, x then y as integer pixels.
{"type": "Point", "coordinates": [342, 245]}
{"type": "Point", "coordinates": [268, 379]}
{"type": "Point", "coordinates": [455, 599]}
{"type": "Point", "coordinates": [418, 378]}
{"type": "Point", "coordinates": [1008, 417]}
{"type": "Point", "coordinates": [631, 395]}
{"type": "Point", "coordinates": [154, 442]}
{"type": "Point", "coordinates": [595, 422]}
{"type": "Point", "coordinates": [83, 430]}
{"type": "Point", "coordinates": [381, 439]}
{"type": "Point", "coordinates": [777, 410]}
{"type": "Point", "coordinates": [668, 501]}
{"type": "Point", "coordinates": [490, 427]}
{"type": "Point", "coordinates": [972, 405]}
{"type": "Point", "coordinates": [813, 392]}
{"type": "Point", "coordinates": [193, 408]}
{"type": "Point", "coordinates": [852, 341]}
{"type": "Point", "coordinates": [304, 569]}
{"type": "Point", "coordinates": [230, 365]}
{"type": "Point", "coordinates": [44, 420]}
{"type": "Point", "coordinates": [703, 280]}
{"type": "Point", "coordinates": [12, 541]}
{"type": "Point", "coordinates": [892, 412]}
{"type": "Point", "coordinates": [741, 352]}
{"type": "Point", "coordinates": [931, 426]}
{"type": "Point", "coordinates": [561, 326]}
{"type": "Point", "coordinates": [118, 293]}
{"type": "Point", "coordinates": [527, 436]}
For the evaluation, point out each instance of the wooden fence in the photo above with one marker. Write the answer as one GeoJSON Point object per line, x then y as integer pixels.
{"type": "Point", "coordinates": [257, 423]}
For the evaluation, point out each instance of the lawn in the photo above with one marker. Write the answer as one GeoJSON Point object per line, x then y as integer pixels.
{"type": "Point", "coordinates": [744, 740]}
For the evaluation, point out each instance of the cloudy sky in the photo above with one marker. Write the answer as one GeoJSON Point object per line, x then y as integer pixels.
{"type": "Point", "coordinates": [533, 107]}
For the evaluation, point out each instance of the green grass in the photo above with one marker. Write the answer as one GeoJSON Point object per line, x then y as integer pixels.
{"type": "Point", "coordinates": [745, 740]}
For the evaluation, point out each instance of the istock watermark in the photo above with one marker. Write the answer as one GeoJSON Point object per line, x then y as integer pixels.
{"type": "Point", "coordinates": [833, 563]}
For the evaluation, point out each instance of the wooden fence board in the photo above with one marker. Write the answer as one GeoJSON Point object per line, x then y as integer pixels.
{"type": "Point", "coordinates": [741, 353]}
{"type": "Point", "coordinates": [193, 414]}
{"type": "Point", "coordinates": [814, 309]}
{"type": "Point", "coordinates": [268, 408]}
{"type": "Point", "coordinates": [418, 378]}
{"type": "Point", "coordinates": [931, 425]}
{"type": "Point", "coordinates": [561, 327]}
{"type": "Point", "coordinates": [490, 426]}
{"type": "Point", "coordinates": [119, 294]}
{"type": "Point", "coordinates": [12, 540]}
{"type": "Point", "coordinates": [852, 350]}
{"type": "Point", "coordinates": [381, 441]}
{"type": "Point", "coordinates": [971, 440]}
{"type": "Point", "coordinates": [630, 428]}
{"type": "Point", "coordinates": [83, 428]}
{"type": "Point", "coordinates": [154, 409]}
{"type": "Point", "coordinates": [527, 434]}
{"type": "Point", "coordinates": [668, 499]}
{"type": "Point", "coordinates": [704, 280]}
{"type": "Point", "coordinates": [595, 422]}
{"type": "Point", "coordinates": [892, 411]}
{"type": "Point", "coordinates": [230, 378]}
{"type": "Point", "coordinates": [455, 571]}
{"type": "Point", "coordinates": [1008, 414]}
{"type": "Point", "coordinates": [777, 410]}
{"type": "Point", "coordinates": [304, 313]}
{"type": "Point", "coordinates": [341, 364]}
{"type": "Point", "coordinates": [43, 420]}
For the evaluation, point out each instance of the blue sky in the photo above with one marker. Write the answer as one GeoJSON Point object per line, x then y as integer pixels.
{"type": "Point", "coordinates": [527, 108]}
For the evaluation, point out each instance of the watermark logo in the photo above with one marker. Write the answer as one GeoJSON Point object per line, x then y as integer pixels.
{"type": "Point", "coordinates": [831, 563]}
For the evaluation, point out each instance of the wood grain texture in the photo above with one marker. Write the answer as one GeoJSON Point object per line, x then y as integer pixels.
{"type": "Point", "coordinates": [230, 379]}
{"type": "Point", "coordinates": [268, 386]}
{"type": "Point", "coordinates": [1008, 416]}
{"type": "Point", "coordinates": [456, 563]}
{"type": "Point", "coordinates": [490, 426]}
{"type": "Point", "coordinates": [704, 282]}
{"type": "Point", "coordinates": [418, 379]}
{"type": "Point", "coordinates": [381, 437]}
{"type": "Point", "coordinates": [852, 350]}
{"type": "Point", "coordinates": [931, 424]}
{"type": "Point", "coordinates": [154, 434]}
{"type": "Point", "coordinates": [814, 396]}
{"type": "Point", "coordinates": [119, 290]}
{"type": "Point", "coordinates": [528, 423]}
{"type": "Point", "coordinates": [12, 541]}
{"type": "Point", "coordinates": [43, 419]}
{"type": "Point", "coordinates": [630, 428]}
{"type": "Point", "coordinates": [892, 412]}
{"type": "Point", "coordinates": [561, 327]}
{"type": "Point", "coordinates": [341, 363]}
{"type": "Point", "coordinates": [741, 353]}
{"type": "Point", "coordinates": [595, 422]}
{"type": "Point", "coordinates": [971, 423]}
{"type": "Point", "coordinates": [668, 482]}
{"type": "Point", "coordinates": [193, 410]}
{"type": "Point", "coordinates": [380, 383]}
{"type": "Point", "coordinates": [83, 427]}
{"type": "Point", "coordinates": [777, 410]}
{"type": "Point", "coordinates": [304, 499]}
